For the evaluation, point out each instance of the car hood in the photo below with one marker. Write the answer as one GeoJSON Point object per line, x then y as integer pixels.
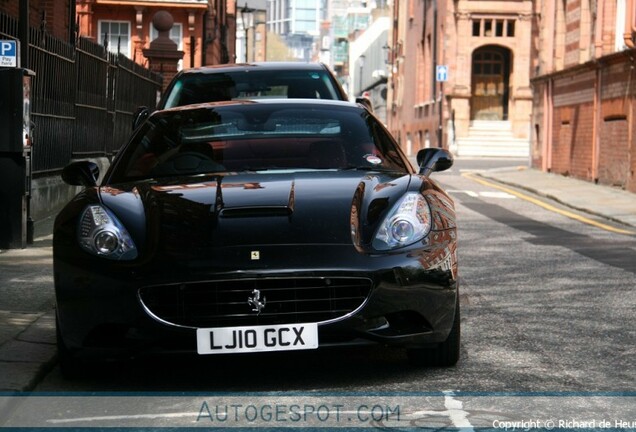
{"type": "Point", "coordinates": [255, 208]}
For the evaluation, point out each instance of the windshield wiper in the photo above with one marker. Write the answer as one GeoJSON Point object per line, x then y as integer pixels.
{"type": "Point", "coordinates": [254, 169]}
{"type": "Point", "coordinates": [364, 168]}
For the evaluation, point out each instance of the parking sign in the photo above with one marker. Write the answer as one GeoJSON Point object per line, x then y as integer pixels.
{"type": "Point", "coordinates": [8, 53]}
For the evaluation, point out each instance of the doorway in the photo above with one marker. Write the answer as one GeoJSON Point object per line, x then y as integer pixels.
{"type": "Point", "coordinates": [490, 83]}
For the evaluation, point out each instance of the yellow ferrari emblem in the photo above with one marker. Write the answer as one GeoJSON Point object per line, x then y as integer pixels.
{"type": "Point", "coordinates": [256, 255]}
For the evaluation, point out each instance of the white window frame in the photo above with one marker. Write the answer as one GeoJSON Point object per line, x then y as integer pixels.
{"type": "Point", "coordinates": [112, 47]}
{"type": "Point", "coordinates": [619, 28]}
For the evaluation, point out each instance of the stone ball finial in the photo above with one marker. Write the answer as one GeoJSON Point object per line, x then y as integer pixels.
{"type": "Point", "coordinates": [163, 21]}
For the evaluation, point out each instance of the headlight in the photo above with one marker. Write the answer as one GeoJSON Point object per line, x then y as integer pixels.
{"type": "Point", "coordinates": [408, 222]}
{"type": "Point", "coordinates": [100, 233]}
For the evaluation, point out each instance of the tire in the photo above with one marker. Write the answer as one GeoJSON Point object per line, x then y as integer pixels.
{"type": "Point", "coordinates": [70, 366]}
{"type": "Point", "coordinates": [445, 354]}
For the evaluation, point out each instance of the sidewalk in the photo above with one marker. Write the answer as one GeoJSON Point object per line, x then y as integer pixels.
{"type": "Point", "coordinates": [27, 317]}
{"type": "Point", "coordinates": [607, 202]}
{"type": "Point", "coordinates": [27, 337]}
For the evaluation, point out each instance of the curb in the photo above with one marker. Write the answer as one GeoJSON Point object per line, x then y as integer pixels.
{"type": "Point", "coordinates": [555, 199]}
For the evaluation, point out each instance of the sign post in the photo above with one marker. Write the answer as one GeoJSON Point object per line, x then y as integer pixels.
{"type": "Point", "coordinates": [441, 76]}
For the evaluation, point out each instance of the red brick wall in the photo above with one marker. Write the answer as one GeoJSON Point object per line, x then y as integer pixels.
{"type": "Point", "coordinates": [582, 141]}
{"type": "Point", "coordinates": [561, 145]}
{"type": "Point", "coordinates": [55, 14]}
{"type": "Point", "coordinates": [572, 32]}
{"type": "Point", "coordinates": [11, 8]}
{"type": "Point", "coordinates": [574, 126]}
{"type": "Point", "coordinates": [614, 153]}
{"type": "Point", "coordinates": [615, 143]}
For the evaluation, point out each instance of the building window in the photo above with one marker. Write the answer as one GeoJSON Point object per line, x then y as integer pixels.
{"type": "Point", "coordinates": [621, 11]}
{"type": "Point", "coordinates": [488, 63]}
{"type": "Point", "coordinates": [116, 35]}
{"type": "Point", "coordinates": [476, 27]}
{"type": "Point", "coordinates": [510, 28]}
{"type": "Point", "coordinates": [488, 27]}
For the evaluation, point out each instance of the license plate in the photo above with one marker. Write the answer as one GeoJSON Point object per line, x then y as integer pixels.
{"type": "Point", "coordinates": [225, 340]}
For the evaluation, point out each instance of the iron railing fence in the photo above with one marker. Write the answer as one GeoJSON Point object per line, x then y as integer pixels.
{"type": "Point", "coordinates": [133, 86]}
{"type": "Point", "coordinates": [92, 130]}
{"type": "Point", "coordinates": [8, 27]}
{"type": "Point", "coordinates": [83, 97]}
{"type": "Point", "coordinates": [52, 101]}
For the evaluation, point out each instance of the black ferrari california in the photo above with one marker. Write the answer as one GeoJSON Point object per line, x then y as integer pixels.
{"type": "Point", "coordinates": [253, 226]}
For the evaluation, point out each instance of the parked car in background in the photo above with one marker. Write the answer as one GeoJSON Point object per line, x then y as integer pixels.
{"type": "Point", "coordinates": [258, 225]}
{"type": "Point", "coordinates": [248, 81]}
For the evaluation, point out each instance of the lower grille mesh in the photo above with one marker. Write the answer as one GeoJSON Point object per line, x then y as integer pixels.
{"type": "Point", "coordinates": [225, 303]}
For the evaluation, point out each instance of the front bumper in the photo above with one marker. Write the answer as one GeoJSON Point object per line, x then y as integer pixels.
{"type": "Point", "coordinates": [411, 295]}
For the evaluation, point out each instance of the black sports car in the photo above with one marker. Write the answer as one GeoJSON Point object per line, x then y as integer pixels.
{"type": "Point", "coordinates": [252, 226]}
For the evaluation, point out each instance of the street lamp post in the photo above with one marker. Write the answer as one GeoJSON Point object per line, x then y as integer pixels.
{"type": "Point", "coordinates": [247, 17]}
{"type": "Point", "coordinates": [361, 61]}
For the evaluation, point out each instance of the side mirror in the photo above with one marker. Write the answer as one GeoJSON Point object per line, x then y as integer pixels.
{"type": "Point", "coordinates": [434, 159]}
{"type": "Point", "coordinates": [140, 116]}
{"type": "Point", "coordinates": [82, 173]}
{"type": "Point", "coordinates": [366, 102]}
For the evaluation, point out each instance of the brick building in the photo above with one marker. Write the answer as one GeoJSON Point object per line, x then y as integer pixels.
{"type": "Point", "coordinates": [488, 53]}
{"type": "Point", "coordinates": [585, 91]}
{"type": "Point", "coordinates": [54, 16]}
{"type": "Point", "coordinates": [204, 30]}
{"type": "Point", "coordinates": [551, 80]}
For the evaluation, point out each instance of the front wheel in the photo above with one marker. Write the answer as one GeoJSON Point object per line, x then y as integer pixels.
{"type": "Point", "coordinates": [70, 366]}
{"type": "Point", "coordinates": [445, 354]}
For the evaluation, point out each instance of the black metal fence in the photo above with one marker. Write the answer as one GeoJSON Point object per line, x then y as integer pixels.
{"type": "Point", "coordinates": [83, 97]}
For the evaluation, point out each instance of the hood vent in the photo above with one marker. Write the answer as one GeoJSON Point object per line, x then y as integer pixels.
{"type": "Point", "coordinates": [246, 212]}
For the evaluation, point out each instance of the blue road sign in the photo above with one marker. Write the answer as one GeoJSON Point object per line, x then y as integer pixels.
{"type": "Point", "coordinates": [442, 73]}
{"type": "Point", "coordinates": [8, 53]}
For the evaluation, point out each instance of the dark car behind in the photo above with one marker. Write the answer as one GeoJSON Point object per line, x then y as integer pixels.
{"type": "Point", "coordinates": [248, 81]}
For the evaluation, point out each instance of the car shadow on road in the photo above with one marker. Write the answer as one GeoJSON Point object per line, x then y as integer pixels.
{"type": "Point", "coordinates": [335, 369]}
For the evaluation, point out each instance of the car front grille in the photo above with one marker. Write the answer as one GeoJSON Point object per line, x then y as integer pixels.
{"type": "Point", "coordinates": [225, 303]}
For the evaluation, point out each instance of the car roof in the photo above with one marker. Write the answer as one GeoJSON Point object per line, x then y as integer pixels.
{"type": "Point", "coordinates": [237, 67]}
{"type": "Point", "coordinates": [291, 102]}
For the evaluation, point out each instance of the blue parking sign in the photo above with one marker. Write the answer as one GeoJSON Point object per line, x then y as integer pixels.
{"type": "Point", "coordinates": [8, 53]}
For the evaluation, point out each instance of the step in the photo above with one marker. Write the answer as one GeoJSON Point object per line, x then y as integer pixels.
{"type": "Point", "coordinates": [490, 125]}
{"type": "Point", "coordinates": [492, 147]}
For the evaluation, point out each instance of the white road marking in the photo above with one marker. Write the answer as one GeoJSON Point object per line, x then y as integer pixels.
{"type": "Point", "coordinates": [454, 411]}
{"type": "Point", "coordinates": [467, 192]}
{"type": "Point", "coordinates": [497, 194]}
{"type": "Point", "coordinates": [458, 416]}
{"type": "Point", "coordinates": [485, 194]}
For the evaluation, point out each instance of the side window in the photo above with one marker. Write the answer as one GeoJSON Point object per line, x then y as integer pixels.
{"type": "Point", "coordinates": [386, 146]}
{"type": "Point", "coordinates": [117, 35]}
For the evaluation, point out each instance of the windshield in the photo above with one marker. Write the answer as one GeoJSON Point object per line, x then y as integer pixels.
{"type": "Point", "coordinates": [257, 137]}
{"type": "Point", "coordinates": [193, 88]}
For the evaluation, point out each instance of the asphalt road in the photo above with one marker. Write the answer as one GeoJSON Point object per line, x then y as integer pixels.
{"type": "Point", "coordinates": [547, 306]}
